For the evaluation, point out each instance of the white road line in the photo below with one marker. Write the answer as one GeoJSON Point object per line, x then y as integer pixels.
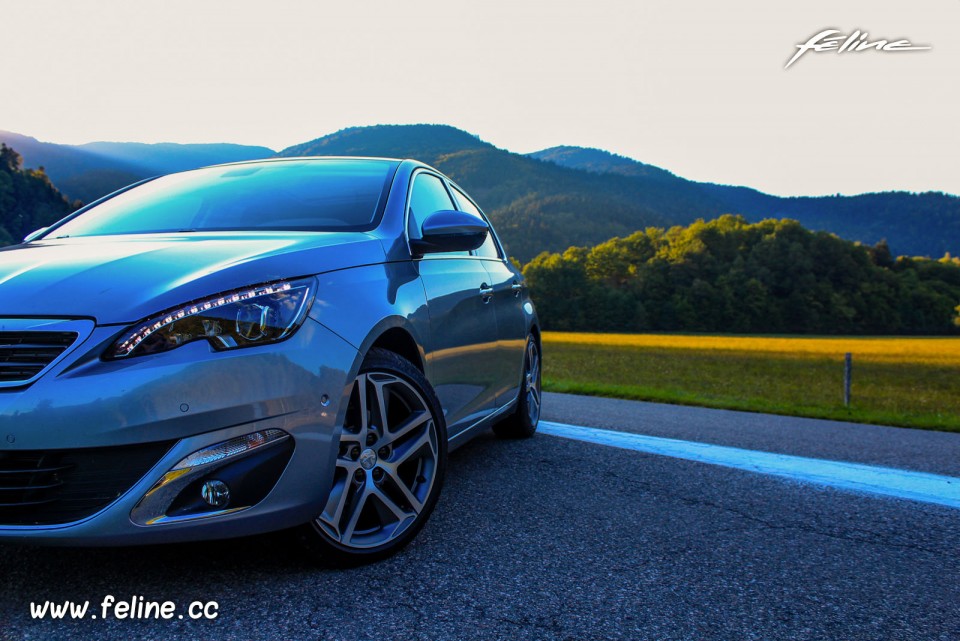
{"type": "Point", "coordinates": [887, 481]}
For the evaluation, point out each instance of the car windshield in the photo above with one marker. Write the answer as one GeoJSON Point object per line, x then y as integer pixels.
{"type": "Point", "coordinates": [310, 195]}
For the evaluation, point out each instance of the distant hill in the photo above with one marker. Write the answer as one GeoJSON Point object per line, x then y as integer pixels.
{"type": "Point", "coordinates": [391, 141]}
{"type": "Point", "coordinates": [28, 201]}
{"type": "Point", "coordinates": [535, 205]}
{"type": "Point", "coordinates": [601, 162]}
{"type": "Point", "coordinates": [167, 157]}
{"type": "Point", "coordinates": [88, 171]}
{"type": "Point", "coordinates": [546, 201]}
{"type": "Point", "coordinates": [926, 224]}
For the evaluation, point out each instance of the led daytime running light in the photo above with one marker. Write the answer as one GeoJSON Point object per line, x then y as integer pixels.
{"type": "Point", "coordinates": [127, 346]}
{"type": "Point", "coordinates": [233, 447]}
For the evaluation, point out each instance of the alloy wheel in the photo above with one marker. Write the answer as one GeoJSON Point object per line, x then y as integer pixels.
{"type": "Point", "coordinates": [531, 382]}
{"type": "Point", "coordinates": [386, 464]}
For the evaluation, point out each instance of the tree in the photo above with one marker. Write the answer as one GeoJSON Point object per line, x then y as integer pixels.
{"type": "Point", "coordinates": [28, 200]}
{"type": "Point", "coordinates": [727, 275]}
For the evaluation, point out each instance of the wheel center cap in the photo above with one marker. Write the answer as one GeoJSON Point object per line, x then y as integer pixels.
{"type": "Point", "coordinates": [368, 458]}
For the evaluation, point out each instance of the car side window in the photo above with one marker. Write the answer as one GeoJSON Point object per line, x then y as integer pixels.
{"type": "Point", "coordinates": [427, 196]}
{"type": "Point", "coordinates": [489, 247]}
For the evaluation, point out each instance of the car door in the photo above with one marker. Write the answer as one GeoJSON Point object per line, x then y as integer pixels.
{"type": "Point", "coordinates": [507, 284]}
{"type": "Point", "coordinates": [462, 355]}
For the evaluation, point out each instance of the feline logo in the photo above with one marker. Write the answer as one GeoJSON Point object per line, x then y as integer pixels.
{"type": "Point", "coordinates": [831, 39]}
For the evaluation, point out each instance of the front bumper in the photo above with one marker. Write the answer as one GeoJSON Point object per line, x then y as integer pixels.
{"type": "Point", "coordinates": [191, 397]}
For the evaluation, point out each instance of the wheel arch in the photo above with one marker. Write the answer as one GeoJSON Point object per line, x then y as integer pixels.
{"type": "Point", "coordinates": [397, 336]}
{"type": "Point", "coordinates": [399, 341]}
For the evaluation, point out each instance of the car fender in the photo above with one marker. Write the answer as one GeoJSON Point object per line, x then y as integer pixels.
{"type": "Point", "coordinates": [362, 303]}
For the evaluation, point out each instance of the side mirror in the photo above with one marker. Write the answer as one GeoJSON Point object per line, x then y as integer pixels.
{"type": "Point", "coordinates": [35, 234]}
{"type": "Point", "coordinates": [449, 231]}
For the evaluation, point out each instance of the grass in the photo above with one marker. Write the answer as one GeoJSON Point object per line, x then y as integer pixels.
{"type": "Point", "coordinates": [909, 382]}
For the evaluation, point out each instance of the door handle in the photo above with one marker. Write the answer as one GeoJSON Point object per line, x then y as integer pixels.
{"type": "Point", "coordinates": [486, 292]}
{"type": "Point", "coordinates": [517, 287]}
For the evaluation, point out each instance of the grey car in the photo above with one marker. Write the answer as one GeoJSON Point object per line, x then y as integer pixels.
{"type": "Point", "coordinates": [285, 344]}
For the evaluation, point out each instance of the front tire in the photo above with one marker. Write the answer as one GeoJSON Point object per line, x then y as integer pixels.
{"type": "Point", "coordinates": [390, 466]}
{"type": "Point", "coordinates": [522, 423]}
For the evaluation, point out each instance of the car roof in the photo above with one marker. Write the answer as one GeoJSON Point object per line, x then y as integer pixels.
{"type": "Point", "coordinates": [300, 158]}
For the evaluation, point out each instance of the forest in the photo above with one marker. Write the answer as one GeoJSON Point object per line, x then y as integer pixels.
{"type": "Point", "coordinates": [728, 275]}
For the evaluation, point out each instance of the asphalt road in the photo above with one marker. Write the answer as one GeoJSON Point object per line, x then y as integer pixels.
{"type": "Point", "coordinates": [558, 539]}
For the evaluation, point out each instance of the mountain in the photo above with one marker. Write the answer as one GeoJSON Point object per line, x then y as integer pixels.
{"type": "Point", "coordinates": [534, 205]}
{"type": "Point", "coordinates": [601, 162]}
{"type": "Point", "coordinates": [88, 171]}
{"type": "Point", "coordinates": [546, 201]}
{"type": "Point", "coordinates": [168, 157]}
{"type": "Point", "coordinates": [392, 141]}
{"type": "Point", "coordinates": [926, 224]}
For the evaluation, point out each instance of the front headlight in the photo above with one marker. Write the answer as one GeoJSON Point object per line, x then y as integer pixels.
{"type": "Point", "coordinates": [240, 318]}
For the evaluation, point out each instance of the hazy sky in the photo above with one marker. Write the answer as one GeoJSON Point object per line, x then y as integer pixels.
{"type": "Point", "coordinates": [695, 87]}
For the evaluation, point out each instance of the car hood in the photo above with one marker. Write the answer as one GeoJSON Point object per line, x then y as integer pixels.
{"type": "Point", "coordinates": [121, 279]}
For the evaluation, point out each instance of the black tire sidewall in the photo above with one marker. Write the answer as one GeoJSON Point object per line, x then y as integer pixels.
{"type": "Point", "coordinates": [517, 424]}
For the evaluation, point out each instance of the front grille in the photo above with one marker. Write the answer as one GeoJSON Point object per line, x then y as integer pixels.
{"type": "Point", "coordinates": [23, 355]}
{"type": "Point", "coordinates": [45, 487]}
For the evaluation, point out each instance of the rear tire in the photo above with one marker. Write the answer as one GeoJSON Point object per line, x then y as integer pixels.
{"type": "Point", "coordinates": [523, 421]}
{"type": "Point", "coordinates": [390, 465]}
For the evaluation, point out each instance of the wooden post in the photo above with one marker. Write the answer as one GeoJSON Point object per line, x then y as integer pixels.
{"type": "Point", "coordinates": [847, 373]}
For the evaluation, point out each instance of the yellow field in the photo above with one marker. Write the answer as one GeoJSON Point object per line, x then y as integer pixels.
{"type": "Point", "coordinates": [933, 350]}
{"type": "Point", "coordinates": [906, 381]}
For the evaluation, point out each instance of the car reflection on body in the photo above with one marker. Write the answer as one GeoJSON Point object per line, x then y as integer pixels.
{"type": "Point", "coordinates": [279, 344]}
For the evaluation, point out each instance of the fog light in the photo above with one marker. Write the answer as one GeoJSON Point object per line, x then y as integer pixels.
{"type": "Point", "coordinates": [184, 492]}
{"type": "Point", "coordinates": [215, 493]}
